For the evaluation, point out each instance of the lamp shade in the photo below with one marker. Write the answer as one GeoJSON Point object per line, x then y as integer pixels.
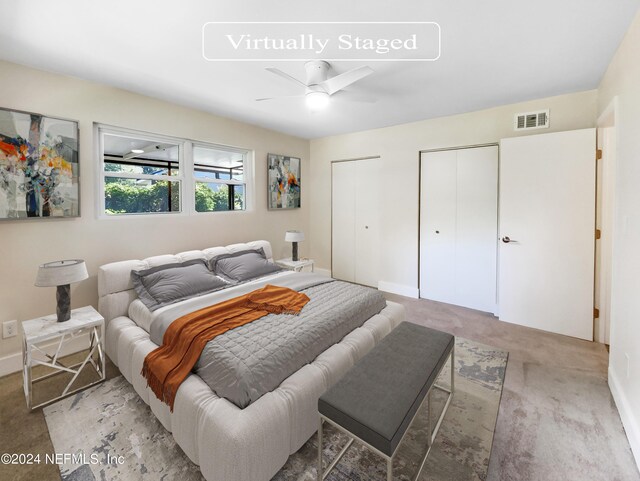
{"type": "Point", "coordinates": [60, 273]}
{"type": "Point", "coordinates": [294, 236]}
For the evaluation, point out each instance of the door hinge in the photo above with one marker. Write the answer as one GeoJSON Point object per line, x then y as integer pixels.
{"type": "Point", "coordinates": [598, 234]}
{"type": "Point", "coordinates": [598, 154]}
{"type": "Point", "coordinates": [596, 313]}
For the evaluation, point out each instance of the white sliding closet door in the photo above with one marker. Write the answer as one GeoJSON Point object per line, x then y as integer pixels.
{"type": "Point", "coordinates": [355, 221]}
{"type": "Point", "coordinates": [343, 221]}
{"type": "Point", "coordinates": [438, 226]}
{"type": "Point", "coordinates": [458, 226]}
{"type": "Point", "coordinates": [477, 228]}
{"type": "Point", "coordinates": [367, 228]}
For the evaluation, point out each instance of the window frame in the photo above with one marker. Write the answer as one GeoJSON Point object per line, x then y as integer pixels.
{"type": "Point", "coordinates": [186, 178]}
{"type": "Point", "coordinates": [213, 180]}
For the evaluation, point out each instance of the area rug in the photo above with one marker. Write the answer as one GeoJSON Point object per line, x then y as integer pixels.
{"type": "Point", "coordinates": [108, 433]}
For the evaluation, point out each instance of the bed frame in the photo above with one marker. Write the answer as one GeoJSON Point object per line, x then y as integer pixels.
{"type": "Point", "coordinates": [229, 443]}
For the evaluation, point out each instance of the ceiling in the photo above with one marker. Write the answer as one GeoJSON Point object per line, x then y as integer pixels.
{"type": "Point", "coordinates": [494, 52]}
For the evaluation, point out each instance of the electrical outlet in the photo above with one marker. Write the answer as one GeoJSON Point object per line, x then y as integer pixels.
{"type": "Point", "coordinates": [626, 356]}
{"type": "Point", "coordinates": [9, 329]}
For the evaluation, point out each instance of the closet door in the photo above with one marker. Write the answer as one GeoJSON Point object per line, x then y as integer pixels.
{"type": "Point", "coordinates": [367, 221]}
{"type": "Point", "coordinates": [477, 228]}
{"type": "Point", "coordinates": [458, 226]}
{"type": "Point", "coordinates": [343, 220]}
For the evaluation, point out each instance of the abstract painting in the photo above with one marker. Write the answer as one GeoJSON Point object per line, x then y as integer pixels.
{"type": "Point", "coordinates": [38, 166]}
{"type": "Point", "coordinates": [284, 182]}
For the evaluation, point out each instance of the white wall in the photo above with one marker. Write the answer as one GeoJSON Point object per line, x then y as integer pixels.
{"type": "Point", "coordinates": [399, 148]}
{"type": "Point", "coordinates": [25, 244]}
{"type": "Point", "coordinates": [622, 79]}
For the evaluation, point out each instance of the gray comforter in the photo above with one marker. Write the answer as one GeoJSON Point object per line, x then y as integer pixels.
{"type": "Point", "coordinates": [249, 361]}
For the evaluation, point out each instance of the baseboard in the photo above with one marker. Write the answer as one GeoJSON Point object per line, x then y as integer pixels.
{"type": "Point", "coordinates": [10, 364]}
{"type": "Point", "coordinates": [399, 289]}
{"type": "Point", "coordinates": [629, 420]}
{"type": "Point", "coordinates": [13, 362]}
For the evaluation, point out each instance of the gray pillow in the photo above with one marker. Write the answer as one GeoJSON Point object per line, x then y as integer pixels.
{"type": "Point", "coordinates": [163, 285]}
{"type": "Point", "coordinates": [243, 265]}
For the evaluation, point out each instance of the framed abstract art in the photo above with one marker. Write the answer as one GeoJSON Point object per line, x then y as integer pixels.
{"type": "Point", "coordinates": [284, 182]}
{"type": "Point", "coordinates": [39, 171]}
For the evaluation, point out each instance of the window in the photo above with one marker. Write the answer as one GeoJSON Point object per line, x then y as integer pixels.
{"type": "Point", "coordinates": [219, 179]}
{"type": "Point", "coordinates": [141, 175]}
{"type": "Point", "coordinates": [147, 174]}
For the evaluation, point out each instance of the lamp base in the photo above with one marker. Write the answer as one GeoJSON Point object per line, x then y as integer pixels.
{"type": "Point", "coordinates": [63, 296]}
{"type": "Point", "coordinates": [294, 254]}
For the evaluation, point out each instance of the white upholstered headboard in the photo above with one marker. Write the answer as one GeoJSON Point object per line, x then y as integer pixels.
{"type": "Point", "coordinates": [115, 289]}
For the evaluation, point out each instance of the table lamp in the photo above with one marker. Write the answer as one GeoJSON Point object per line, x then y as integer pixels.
{"type": "Point", "coordinates": [294, 236]}
{"type": "Point", "coordinates": [61, 274]}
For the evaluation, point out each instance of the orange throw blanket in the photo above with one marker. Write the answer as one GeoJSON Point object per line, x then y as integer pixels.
{"type": "Point", "coordinates": [167, 366]}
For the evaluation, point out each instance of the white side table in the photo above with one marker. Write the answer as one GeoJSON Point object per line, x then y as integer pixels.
{"type": "Point", "coordinates": [295, 265]}
{"type": "Point", "coordinates": [36, 333]}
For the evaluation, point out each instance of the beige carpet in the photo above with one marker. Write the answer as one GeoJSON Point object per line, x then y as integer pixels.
{"type": "Point", "coordinates": [557, 419]}
{"type": "Point", "coordinates": [548, 374]}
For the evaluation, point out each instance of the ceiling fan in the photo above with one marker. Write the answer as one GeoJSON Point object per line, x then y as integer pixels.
{"type": "Point", "coordinates": [320, 88]}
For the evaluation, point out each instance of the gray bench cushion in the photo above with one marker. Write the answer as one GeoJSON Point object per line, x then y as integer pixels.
{"type": "Point", "coordinates": [377, 399]}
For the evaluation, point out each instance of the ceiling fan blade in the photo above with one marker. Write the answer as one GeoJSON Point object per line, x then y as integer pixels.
{"type": "Point", "coordinates": [284, 75]}
{"type": "Point", "coordinates": [281, 97]}
{"type": "Point", "coordinates": [332, 85]}
{"type": "Point", "coordinates": [355, 97]}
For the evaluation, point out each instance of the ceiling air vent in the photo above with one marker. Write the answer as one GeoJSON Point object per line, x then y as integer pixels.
{"type": "Point", "coordinates": [532, 120]}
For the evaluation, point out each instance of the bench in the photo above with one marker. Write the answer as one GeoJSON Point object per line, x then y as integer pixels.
{"type": "Point", "coordinates": [376, 401]}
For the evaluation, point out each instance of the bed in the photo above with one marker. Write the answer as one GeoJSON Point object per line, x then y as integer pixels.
{"type": "Point", "coordinates": [230, 443]}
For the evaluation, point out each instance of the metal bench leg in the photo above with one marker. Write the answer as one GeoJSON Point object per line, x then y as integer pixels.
{"type": "Point", "coordinates": [448, 401]}
{"type": "Point", "coordinates": [322, 473]}
{"type": "Point", "coordinates": [453, 367]}
{"type": "Point", "coordinates": [429, 430]}
{"type": "Point", "coordinates": [320, 451]}
{"type": "Point", "coordinates": [390, 469]}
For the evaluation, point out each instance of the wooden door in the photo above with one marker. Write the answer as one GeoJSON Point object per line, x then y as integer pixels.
{"type": "Point", "coordinates": [547, 223]}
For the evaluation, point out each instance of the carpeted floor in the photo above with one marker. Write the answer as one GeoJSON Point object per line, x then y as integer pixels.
{"type": "Point", "coordinates": [557, 419]}
{"type": "Point", "coordinates": [123, 425]}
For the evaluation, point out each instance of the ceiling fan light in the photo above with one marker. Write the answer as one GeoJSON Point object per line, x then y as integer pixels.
{"type": "Point", "coordinates": [317, 100]}
{"type": "Point", "coordinates": [137, 151]}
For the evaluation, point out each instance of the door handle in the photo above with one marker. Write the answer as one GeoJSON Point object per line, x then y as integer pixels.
{"type": "Point", "coordinates": [508, 240]}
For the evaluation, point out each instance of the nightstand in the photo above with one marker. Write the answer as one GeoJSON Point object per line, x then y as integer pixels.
{"type": "Point", "coordinates": [295, 265]}
{"type": "Point", "coordinates": [86, 324]}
